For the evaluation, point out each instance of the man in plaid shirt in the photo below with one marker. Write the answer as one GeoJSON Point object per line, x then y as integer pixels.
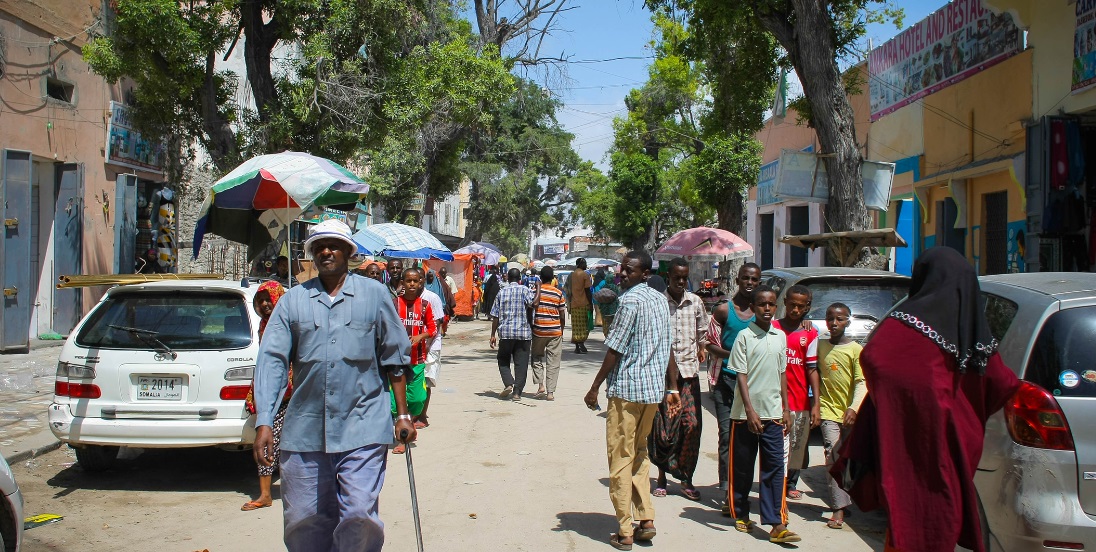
{"type": "Point", "coordinates": [641, 373]}
{"type": "Point", "coordinates": [510, 320]}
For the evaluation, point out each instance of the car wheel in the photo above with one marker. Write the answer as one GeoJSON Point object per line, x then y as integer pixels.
{"type": "Point", "coordinates": [96, 458]}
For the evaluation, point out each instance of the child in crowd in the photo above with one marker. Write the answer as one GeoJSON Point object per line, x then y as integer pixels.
{"type": "Point", "coordinates": [420, 322]}
{"type": "Point", "coordinates": [761, 419]}
{"type": "Point", "coordinates": [843, 390]}
{"type": "Point", "coordinates": [802, 374]}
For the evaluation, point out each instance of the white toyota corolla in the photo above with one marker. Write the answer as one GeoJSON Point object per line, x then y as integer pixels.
{"type": "Point", "coordinates": [158, 365]}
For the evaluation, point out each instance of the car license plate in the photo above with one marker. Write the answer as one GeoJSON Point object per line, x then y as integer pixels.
{"type": "Point", "coordinates": [158, 388]}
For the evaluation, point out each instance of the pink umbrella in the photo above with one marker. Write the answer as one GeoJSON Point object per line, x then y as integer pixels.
{"type": "Point", "coordinates": [704, 244]}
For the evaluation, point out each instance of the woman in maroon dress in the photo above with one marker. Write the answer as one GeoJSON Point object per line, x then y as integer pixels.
{"type": "Point", "coordinates": [934, 377]}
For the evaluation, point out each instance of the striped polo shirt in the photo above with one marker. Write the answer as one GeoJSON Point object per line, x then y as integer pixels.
{"type": "Point", "coordinates": [546, 322]}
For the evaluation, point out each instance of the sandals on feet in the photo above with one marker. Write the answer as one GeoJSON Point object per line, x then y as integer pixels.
{"type": "Point", "coordinates": [795, 494]}
{"type": "Point", "coordinates": [743, 525]}
{"type": "Point", "coordinates": [400, 449]}
{"type": "Point", "coordinates": [645, 534]}
{"type": "Point", "coordinates": [659, 491]}
{"type": "Point", "coordinates": [253, 505]}
{"type": "Point", "coordinates": [783, 536]}
{"type": "Point", "coordinates": [835, 523]}
{"type": "Point", "coordinates": [421, 425]}
{"type": "Point", "coordinates": [614, 541]}
{"type": "Point", "coordinates": [691, 494]}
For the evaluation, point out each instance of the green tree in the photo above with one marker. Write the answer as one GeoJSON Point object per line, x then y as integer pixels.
{"type": "Point", "coordinates": [815, 35]}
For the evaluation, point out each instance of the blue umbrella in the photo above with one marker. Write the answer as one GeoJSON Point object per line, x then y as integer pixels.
{"type": "Point", "coordinates": [400, 241]}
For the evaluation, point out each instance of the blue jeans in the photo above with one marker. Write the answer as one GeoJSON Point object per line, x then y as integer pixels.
{"type": "Point", "coordinates": [330, 499]}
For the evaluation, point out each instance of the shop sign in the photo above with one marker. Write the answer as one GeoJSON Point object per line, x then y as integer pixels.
{"type": "Point", "coordinates": [951, 44]}
{"type": "Point", "coordinates": [127, 148]}
{"type": "Point", "coordinates": [1084, 47]}
{"type": "Point", "coordinates": [316, 215]}
{"type": "Point", "coordinates": [554, 249]}
{"type": "Point", "coordinates": [766, 177]}
{"type": "Point", "coordinates": [802, 177]}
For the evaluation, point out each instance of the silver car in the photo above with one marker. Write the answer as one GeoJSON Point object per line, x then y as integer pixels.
{"type": "Point", "coordinates": [868, 293]}
{"type": "Point", "coordinates": [11, 510]}
{"type": "Point", "coordinates": [1037, 478]}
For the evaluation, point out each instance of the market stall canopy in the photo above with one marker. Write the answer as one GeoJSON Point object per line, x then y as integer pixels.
{"type": "Point", "coordinates": [848, 244]}
{"type": "Point", "coordinates": [255, 202]}
{"type": "Point", "coordinates": [395, 240]}
{"type": "Point", "coordinates": [704, 244]}
{"type": "Point", "coordinates": [489, 253]}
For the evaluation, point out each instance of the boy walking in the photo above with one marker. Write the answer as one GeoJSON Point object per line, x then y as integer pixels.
{"type": "Point", "coordinates": [802, 372]}
{"type": "Point", "coordinates": [548, 323]}
{"type": "Point", "coordinates": [761, 419]}
{"type": "Point", "coordinates": [421, 325]}
{"type": "Point", "coordinates": [843, 390]}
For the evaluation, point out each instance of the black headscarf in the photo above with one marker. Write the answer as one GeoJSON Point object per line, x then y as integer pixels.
{"type": "Point", "coordinates": [945, 303]}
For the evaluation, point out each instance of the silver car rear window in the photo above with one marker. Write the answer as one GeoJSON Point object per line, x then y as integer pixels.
{"type": "Point", "coordinates": [1061, 360]}
{"type": "Point", "coordinates": [182, 319]}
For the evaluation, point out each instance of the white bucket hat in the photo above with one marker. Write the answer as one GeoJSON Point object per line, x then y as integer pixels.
{"type": "Point", "coordinates": [330, 229]}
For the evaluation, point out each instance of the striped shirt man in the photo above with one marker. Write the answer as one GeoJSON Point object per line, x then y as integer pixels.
{"type": "Point", "coordinates": [546, 321]}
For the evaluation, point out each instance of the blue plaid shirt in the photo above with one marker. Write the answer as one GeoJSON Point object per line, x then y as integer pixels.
{"type": "Point", "coordinates": [641, 332]}
{"type": "Point", "coordinates": [509, 308]}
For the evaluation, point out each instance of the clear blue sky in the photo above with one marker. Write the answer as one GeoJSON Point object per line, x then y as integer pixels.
{"type": "Point", "coordinates": [593, 93]}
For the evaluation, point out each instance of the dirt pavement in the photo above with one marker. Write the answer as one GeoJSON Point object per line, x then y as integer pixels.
{"type": "Point", "coordinates": [492, 475]}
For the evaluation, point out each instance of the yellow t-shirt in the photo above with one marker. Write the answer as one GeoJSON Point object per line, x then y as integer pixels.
{"type": "Point", "coordinates": [839, 367]}
{"type": "Point", "coordinates": [580, 281]}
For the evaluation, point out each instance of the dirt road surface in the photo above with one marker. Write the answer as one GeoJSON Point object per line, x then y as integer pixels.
{"type": "Point", "coordinates": [491, 474]}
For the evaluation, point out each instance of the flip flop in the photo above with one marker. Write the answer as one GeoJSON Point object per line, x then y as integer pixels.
{"type": "Point", "coordinates": [400, 449]}
{"type": "Point", "coordinates": [421, 425]}
{"type": "Point", "coordinates": [784, 536]}
{"type": "Point", "coordinates": [795, 494]}
{"type": "Point", "coordinates": [691, 494]}
{"type": "Point", "coordinates": [253, 505]}
{"type": "Point", "coordinates": [614, 541]}
{"type": "Point", "coordinates": [743, 526]}
{"type": "Point", "coordinates": [835, 523]}
{"type": "Point", "coordinates": [659, 492]}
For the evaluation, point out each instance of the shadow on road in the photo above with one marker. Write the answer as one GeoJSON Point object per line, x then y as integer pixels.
{"type": "Point", "coordinates": [170, 470]}
{"type": "Point", "coordinates": [595, 526]}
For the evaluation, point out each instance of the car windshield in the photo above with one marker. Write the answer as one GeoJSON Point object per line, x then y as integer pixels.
{"type": "Point", "coordinates": [1061, 360]}
{"type": "Point", "coordinates": [872, 298]}
{"type": "Point", "coordinates": [181, 320]}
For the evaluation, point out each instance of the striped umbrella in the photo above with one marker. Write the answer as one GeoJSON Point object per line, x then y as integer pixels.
{"type": "Point", "coordinates": [254, 202]}
{"type": "Point", "coordinates": [395, 240]}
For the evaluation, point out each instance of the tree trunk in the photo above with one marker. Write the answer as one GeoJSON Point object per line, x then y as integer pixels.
{"type": "Point", "coordinates": [814, 57]}
{"type": "Point", "coordinates": [259, 41]}
{"type": "Point", "coordinates": [731, 214]}
{"type": "Point", "coordinates": [220, 139]}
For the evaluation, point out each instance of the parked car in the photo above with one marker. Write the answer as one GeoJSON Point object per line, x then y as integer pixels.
{"type": "Point", "coordinates": [11, 510]}
{"type": "Point", "coordinates": [1037, 477]}
{"type": "Point", "coordinates": [870, 294]}
{"type": "Point", "coordinates": [158, 365]}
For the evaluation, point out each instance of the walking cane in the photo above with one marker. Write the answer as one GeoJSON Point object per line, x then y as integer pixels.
{"type": "Point", "coordinates": [414, 495]}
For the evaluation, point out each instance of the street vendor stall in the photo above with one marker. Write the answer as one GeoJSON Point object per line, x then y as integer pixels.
{"type": "Point", "coordinates": [461, 269]}
{"type": "Point", "coordinates": [846, 246]}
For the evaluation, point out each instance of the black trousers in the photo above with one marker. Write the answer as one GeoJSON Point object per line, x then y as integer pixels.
{"type": "Point", "coordinates": [723, 396]}
{"type": "Point", "coordinates": [745, 446]}
{"type": "Point", "coordinates": [518, 350]}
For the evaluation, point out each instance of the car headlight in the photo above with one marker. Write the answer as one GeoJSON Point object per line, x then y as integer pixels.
{"type": "Point", "coordinates": [242, 373]}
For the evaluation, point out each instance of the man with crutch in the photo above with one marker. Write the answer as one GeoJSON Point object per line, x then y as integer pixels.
{"type": "Point", "coordinates": [348, 348]}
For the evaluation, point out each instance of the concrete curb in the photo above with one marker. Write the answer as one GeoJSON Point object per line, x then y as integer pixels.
{"type": "Point", "coordinates": [24, 455]}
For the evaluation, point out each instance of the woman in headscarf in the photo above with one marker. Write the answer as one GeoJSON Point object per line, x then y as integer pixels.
{"type": "Point", "coordinates": [490, 290]}
{"type": "Point", "coordinates": [266, 298]}
{"type": "Point", "coordinates": [934, 377]}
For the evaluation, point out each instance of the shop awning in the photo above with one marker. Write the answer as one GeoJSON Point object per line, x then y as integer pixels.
{"type": "Point", "coordinates": [847, 245]}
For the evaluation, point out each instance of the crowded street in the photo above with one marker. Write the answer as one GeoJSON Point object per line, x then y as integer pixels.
{"type": "Point", "coordinates": [490, 474]}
